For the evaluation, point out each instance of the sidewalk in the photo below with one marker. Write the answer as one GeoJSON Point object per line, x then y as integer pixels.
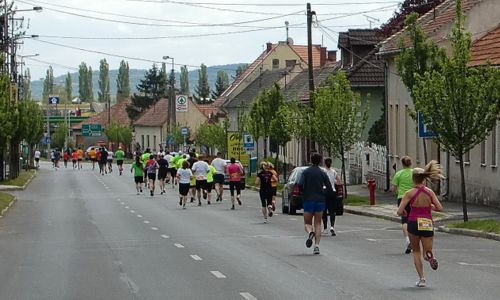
{"type": "Point", "coordinates": [385, 208]}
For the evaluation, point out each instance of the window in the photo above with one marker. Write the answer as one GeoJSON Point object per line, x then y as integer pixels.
{"type": "Point", "coordinates": [276, 63]}
{"type": "Point", "coordinates": [467, 158]}
{"type": "Point", "coordinates": [154, 142]}
{"type": "Point", "coordinates": [142, 144]}
{"type": "Point", "coordinates": [493, 140]}
{"type": "Point", "coordinates": [396, 124]}
{"type": "Point", "coordinates": [483, 153]}
{"type": "Point", "coordinates": [148, 141]}
{"type": "Point", "coordinates": [406, 129]}
{"type": "Point", "coordinates": [290, 63]}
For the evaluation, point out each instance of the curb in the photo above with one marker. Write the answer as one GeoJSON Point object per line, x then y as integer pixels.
{"type": "Point", "coordinates": [470, 232]}
{"type": "Point", "coordinates": [4, 211]}
{"type": "Point", "coordinates": [20, 188]}
{"type": "Point", "coordinates": [370, 214]}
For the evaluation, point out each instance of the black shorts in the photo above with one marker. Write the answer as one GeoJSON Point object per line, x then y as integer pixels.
{"type": "Point", "coordinates": [162, 174]}
{"type": "Point", "coordinates": [274, 189]}
{"type": "Point", "coordinates": [235, 185]}
{"type": "Point", "coordinates": [110, 161]}
{"type": "Point", "coordinates": [74, 161]}
{"type": "Point", "coordinates": [201, 184]}
{"type": "Point", "coordinates": [266, 198]}
{"type": "Point", "coordinates": [413, 229]}
{"type": "Point", "coordinates": [93, 159]}
{"type": "Point", "coordinates": [119, 162]}
{"type": "Point", "coordinates": [183, 189]}
{"type": "Point", "coordinates": [209, 186]}
{"type": "Point", "coordinates": [152, 176]}
{"type": "Point", "coordinates": [37, 159]}
{"type": "Point", "coordinates": [80, 159]}
{"type": "Point", "coordinates": [404, 219]}
{"type": "Point", "coordinates": [219, 178]}
{"type": "Point", "coordinates": [138, 179]}
{"type": "Point", "coordinates": [173, 172]}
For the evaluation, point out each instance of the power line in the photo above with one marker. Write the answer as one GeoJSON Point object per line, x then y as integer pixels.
{"type": "Point", "coordinates": [51, 63]}
{"type": "Point", "coordinates": [263, 4]}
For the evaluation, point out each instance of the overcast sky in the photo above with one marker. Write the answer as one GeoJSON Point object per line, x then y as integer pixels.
{"type": "Point", "coordinates": [193, 23]}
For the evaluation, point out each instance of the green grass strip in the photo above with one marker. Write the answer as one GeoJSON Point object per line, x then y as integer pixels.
{"type": "Point", "coordinates": [481, 225]}
{"type": "Point", "coordinates": [5, 200]}
{"type": "Point", "coordinates": [21, 180]}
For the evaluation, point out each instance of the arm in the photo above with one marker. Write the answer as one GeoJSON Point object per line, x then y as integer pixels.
{"type": "Point", "coordinates": [435, 204]}
{"type": "Point", "coordinates": [404, 202]}
{"type": "Point", "coordinates": [257, 181]}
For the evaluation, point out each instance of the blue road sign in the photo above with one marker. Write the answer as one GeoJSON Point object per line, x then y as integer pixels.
{"type": "Point", "coordinates": [184, 131]}
{"type": "Point", "coordinates": [53, 99]}
{"type": "Point", "coordinates": [423, 131]}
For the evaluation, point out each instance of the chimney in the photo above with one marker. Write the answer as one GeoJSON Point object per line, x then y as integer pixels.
{"type": "Point", "coordinates": [332, 55]}
{"type": "Point", "coordinates": [269, 47]}
{"type": "Point", "coordinates": [322, 56]}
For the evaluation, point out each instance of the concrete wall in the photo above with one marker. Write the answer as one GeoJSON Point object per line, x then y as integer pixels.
{"type": "Point", "coordinates": [156, 136]}
{"type": "Point", "coordinates": [192, 119]}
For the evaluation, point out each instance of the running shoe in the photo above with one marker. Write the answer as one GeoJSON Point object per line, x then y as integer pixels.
{"type": "Point", "coordinates": [204, 194]}
{"type": "Point", "coordinates": [199, 203]}
{"type": "Point", "coordinates": [408, 249]}
{"type": "Point", "coordinates": [265, 221]}
{"type": "Point", "coordinates": [316, 250]}
{"type": "Point", "coordinates": [184, 206]}
{"type": "Point", "coordinates": [138, 193]}
{"type": "Point", "coordinates": [269, 209]}
{"type": "Point", "coordinates": [232, 207]}
{"type": "Point", "coordinates": [420, 282]}
{"type": "Point", "coordinates": [141, 190]}
{"type": "Point", "coordinates": [432, 260]}
{"type": "Point", "coordinates": [239, 201]}
{"type": "Point", "coordinates": [209, 203]}
{"type": "Point", "coordinates": [332, 232]}
{"type": "Point", "coordinates": [152, 193]}
{"type": "Point", "coordinates": [309, 240]}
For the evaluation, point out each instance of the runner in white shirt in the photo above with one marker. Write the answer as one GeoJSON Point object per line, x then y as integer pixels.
{"type": "Point", "coordinates": [220, 170]}
{"type": "Point", "coordinates": [184, 175]}
{"type": "Point", "coordinates": [37, 158]}
{"type": "Point", "coordinates": [330, 198]}
{"type": "Point", "coordinates": [200, 170]}
{"type": "Point", "coordinates": [110, 161]}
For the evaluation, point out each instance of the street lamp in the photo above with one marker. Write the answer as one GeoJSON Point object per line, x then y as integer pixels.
{"type": "Point", "coordinates": [171, 98]}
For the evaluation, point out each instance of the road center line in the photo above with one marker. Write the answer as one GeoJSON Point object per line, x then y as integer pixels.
{"type": "Point", "coordinates": [164, 236]}
{"type": "Point", "coordinates": [154, 228]}
{"type": "Point", "coordinates": [126, 207]}
{"type": "Point", "coordinates": [218, 274]}
{"type": "Point", "coordinates": [248, 296]}
{"type": "Point", "coordinates": [371, 240]}
{"type": "Point", "coordinates": [179, 245]}
{"type": "Point", "coordinates": [146, 222]}
{"type": "Point", "coordinates": [132, 211]}
{"type": "Point", "coordinates": [139, 216]}
{"type": "Point", "coordinates": [195, 257]}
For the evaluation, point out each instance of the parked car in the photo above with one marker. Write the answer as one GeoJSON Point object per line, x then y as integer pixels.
{"type": "Point", "coordinates": [226, 177]}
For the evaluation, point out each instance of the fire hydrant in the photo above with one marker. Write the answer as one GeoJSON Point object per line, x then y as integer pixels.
{"type": "Point", "coordinates": [371, 188]}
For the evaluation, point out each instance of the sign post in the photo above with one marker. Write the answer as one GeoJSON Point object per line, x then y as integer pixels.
{"type": "Point", "coordinates": [185, 133]}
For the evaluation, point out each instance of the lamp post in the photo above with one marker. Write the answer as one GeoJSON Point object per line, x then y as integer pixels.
{"type": "Point", "coordinates": [171, 98]}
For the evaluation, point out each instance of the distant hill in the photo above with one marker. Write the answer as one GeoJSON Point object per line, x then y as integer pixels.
{"type": "Point", "coordinates": [135, 76]}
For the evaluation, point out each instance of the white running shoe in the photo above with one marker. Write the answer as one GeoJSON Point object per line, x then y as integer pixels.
{"type": "Point", "coordinates": [420, 282]}
{"type": "Point", "coordinates": [316, 250]}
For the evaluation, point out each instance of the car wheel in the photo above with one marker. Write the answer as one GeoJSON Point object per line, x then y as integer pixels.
{"type": "Point", "coordinates": [284, 209]}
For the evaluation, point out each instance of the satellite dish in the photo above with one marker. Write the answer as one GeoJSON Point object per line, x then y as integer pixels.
{"type": "Point", "coordinates": [290, 41]}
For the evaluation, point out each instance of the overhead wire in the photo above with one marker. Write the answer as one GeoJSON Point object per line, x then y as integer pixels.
{"type": "Point", "coordinates": [265, 4]}
{"type": "Point", "coordinates": [51, 63]}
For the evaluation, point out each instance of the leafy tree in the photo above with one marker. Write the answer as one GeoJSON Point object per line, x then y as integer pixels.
{"type": "Point", "coordinates": [8, 117]}
{"type": "Point", "coordinates": [241, 68]}
{"type": "Point", "coordinates": [68, 87]}
{"type": "Point", "coordinates": [83, 82]}
{"type": "Point", "coordinates": [119, 133]}
{"type": "Point", "coordinates": [212, 136]}
{"type": "Point", "coordinates": [253, 124]}
{"type": "Point", "coordinates": [123, 81]}
{"type": "Point", "coordinates": [203, 89]}
{"type": "Point", "coordinates": [35, 123]}
{"type": "Point", "coordinates": [104, 95]}
{"type": "Point", "coordinates": [27, 86]}
{"type": "Point", "coordinates": [60, 135]}
{"type": "Point", "coordinates": [281, 128]}
{"type": "Point", "coordinates": [48, 85]}
{"type": "Point", "coordinates": [338, 119]}
{"type": "Point", "coordinates": [377, 133]}
{"type": "Point", "coordinates": [221, 84]}
{"type": "Point", "coordinates": [90, 85]}
{"type": "Point", "coordinates": [460, 104]}
{"type": "Point", "coordinates": [184, 81]}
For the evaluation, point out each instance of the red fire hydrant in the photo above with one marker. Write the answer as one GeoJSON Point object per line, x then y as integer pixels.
{"type": "Point", "coordinates": [371, 188]}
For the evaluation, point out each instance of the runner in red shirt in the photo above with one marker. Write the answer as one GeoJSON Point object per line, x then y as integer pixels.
{"type": "Point", "coordinates": [65, 158]}
{"type": "Point", "coordinates": [234, 170]}
{"type": "Point", "coordinates": [74, 158]}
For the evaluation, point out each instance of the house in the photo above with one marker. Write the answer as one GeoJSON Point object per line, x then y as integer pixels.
{"type": "Point", "coordinates": [481, 16]}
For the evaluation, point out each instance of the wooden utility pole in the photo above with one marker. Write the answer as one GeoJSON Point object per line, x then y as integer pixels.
{"type": "Point", "coordinates": [310, 142]}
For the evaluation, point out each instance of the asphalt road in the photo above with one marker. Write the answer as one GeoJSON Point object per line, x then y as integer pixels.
{"type": "Point", "coordinates": [79, 235]}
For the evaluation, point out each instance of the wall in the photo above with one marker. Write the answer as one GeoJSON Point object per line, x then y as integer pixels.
{"type": "Point", "coordinates": [375, 99]}
{"type": "Point", "coordinates": [192, 119]}
{"type": "Point", "coordinates": [152, 132]}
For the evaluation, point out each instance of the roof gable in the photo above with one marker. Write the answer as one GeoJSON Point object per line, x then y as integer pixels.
{"type": "Point", "coordinates": [118, 114]}
{"type": "Point", "coordinates": [155, 116]}
{"type": "Point", "coordinates": [486, 49]}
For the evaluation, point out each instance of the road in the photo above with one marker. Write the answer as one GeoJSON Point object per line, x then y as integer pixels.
{"type": "Point", "coordinates": [79, 235]}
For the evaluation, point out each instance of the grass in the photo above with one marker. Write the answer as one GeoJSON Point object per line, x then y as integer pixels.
{"type": "Point", "coordinates": [21, 180]}
{"type": "Point", "coordinates": [5, 199]}
{"type": "Point", "coordinates": [481, 225]}
{"type": "Point", "coordinates": [356, 200]}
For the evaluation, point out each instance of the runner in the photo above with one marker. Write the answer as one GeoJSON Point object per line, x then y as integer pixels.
{"type": "Point", "coordinates": [103, 159]}
{"type": "Point", "coordinates": [120, 155]}
{"type": "Point", "coordinates": [330, 198]}
{"type": "Point", "coordinates": [57, 157]}
{"type": "Point", "coordinates": [312, 184]}
{"type": "Point", "coordinates": [274, 183]}
{"type": "Point", "coordinates": [80, 157]}
{"type": "Point", "coordinates": [110, 161]}
{"type": "Point", "coordinates": [144, 158]}
{"type": "Point", "coordinates": [264, 181]}
{"type": "Point", "coordinates": [65, 158]}
{"type": "Point", "coordinates": [74, 158]}
{"type": "Point", "coordinates": [401, 183]}
{"type": "Point", "coordinates": [151, 167]}
{"type": "Point", "coordinates": [52, 158]}
{"type": "Point", "coordinates": [162, 173]}
{"type": "Point", "coordinates": [200, 170]}
{"type": "Point", "coordinates": [138, 174]}
{"type": "Point", "coordinates": [207, 191]}
{"type": "Point", "coordinates": [422, 201]}
{"type": "Point", "coordinates": [234, 170]}
{"type": "Point", "coordinates": [220, 170]}
{"type": "Point", "coordinates": [37, 158]}
{"type": "Point", "coordinates": [192, 188]}
{"type": "Point", "coordinates": [93, 157]}
{"type": "Point", "coordinates": [184, 175]}
{"type": "Point", "coordinates": [168, 157]}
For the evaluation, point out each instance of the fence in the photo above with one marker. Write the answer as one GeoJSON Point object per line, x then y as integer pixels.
{"type": "Point", "coordinates": [368, 161]}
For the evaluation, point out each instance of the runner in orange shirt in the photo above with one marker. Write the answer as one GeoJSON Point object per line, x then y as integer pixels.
{"type": "Point", "coordinates": [79, 152]}
{"type": "Point", "coordinates": [93, 157]}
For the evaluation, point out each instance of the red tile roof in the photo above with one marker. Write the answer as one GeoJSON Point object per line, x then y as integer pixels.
{"type": "Point", "coordinates": [118, 114]}
{"type": "Point", "coordinates": [301, 51]}
{"type": "Point", "coordinates": [486, 49]}
{"type": "Point", "coordinates": [155, 116]}
{"type": "Point", "coordinates": [444, 14]}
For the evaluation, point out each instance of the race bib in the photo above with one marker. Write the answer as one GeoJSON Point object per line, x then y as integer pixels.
{"type": "Point", "coordinates": [424, 224]}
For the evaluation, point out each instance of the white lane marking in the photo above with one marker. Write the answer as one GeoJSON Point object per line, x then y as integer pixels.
{"type": "Point", "coordinates": [139, 216]}
{"type": "Point", "coordinates": [371, 240]}
{"type": "Point", "coordinates": [122, 203]}
{"type": "Point", "coordinates": [126, 207]}
{"type": "Point", "coordinates": [195, 257]}
{"type": "Point", "coordinates": [118, 199]}
{"type": "Point", "coordinates": [154, 228]}
{"type": "Point", "coordinates": [478, 265]}
{"type": "Point", "coordinates": [292, 219]}
{"type": "Point", "coordinates": [132, 211]}
{"type": "Point", "coordinates": [218, 274]}
{"type": "Point", "coordinates": [248, 296]}
{"type": "Point", "coordinates": [164, 236]}
{"type": "Point", "coordinates": [179, 245]}
{"type": "Point", "coordinates": [146, 222]}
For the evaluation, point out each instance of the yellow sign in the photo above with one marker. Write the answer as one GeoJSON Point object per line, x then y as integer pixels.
{"type": "Point", "coordinates": [235, 149]}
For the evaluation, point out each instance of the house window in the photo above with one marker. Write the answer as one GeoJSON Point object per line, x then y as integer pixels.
{"type": "Point", "coordinates": [467, 158]}
{"type": "Point", "coordinates": [276, 63]}
{"type": "Point", "coordinates": [154, 142]}
{"type": "Point", "coordinates": [406, 129]}
{"type": "Point", "coordinates": [391, 132]}
{"type": "Point", "coordinates": [142, 139]}
{"type": "Point", "coordinates": [483, 153]}
{"type": "Point", "coordinates": [148, 141]}
{"type": "Point", "coordinates": [396, 130]}
{"type": "Point", "coordinates": [290, 63]}
{"type": "Point", "coordinates": [493, 140]}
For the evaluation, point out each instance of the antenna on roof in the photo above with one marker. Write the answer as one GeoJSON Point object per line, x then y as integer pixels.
{"type": "Point", "coordinates": [286, 26]}
{"type": "Point", "coordinates": [371, 20]}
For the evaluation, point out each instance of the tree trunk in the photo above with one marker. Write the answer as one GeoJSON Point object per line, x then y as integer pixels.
{"type": "Point", "coordinates": [2, 171]}
{"type": "Point", "coordinates": [265, 147]}
{"type": "Point", "coordinates": [462, 181]}
{"type": "Point", "coordinates": [344, 174]}
{"type": "Point", "coordinates": [425, 151]}
{"type": "Point", "coordinates": [14, 160]}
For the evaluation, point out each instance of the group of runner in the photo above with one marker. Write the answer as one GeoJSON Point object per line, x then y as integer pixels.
{"type": "Point", "coordinates": [76, 156]}
{"type": "Point", "coordinates": [104, 159]}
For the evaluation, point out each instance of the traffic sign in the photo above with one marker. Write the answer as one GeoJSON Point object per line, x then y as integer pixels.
{"type": "Point", "coordinates": [181, 103]}
{"type": "Point", "coordinates": [53, 99]}
{"type": "Point", "coordinates": [184, 131]}
{"type": "Point", "coordinates": [91, 130]}
{"type": "Point", "coordinates": [423, 131]}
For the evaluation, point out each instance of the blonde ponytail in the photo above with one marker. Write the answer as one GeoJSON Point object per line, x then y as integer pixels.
{"type": "Point", "coordinates": [433, 170]}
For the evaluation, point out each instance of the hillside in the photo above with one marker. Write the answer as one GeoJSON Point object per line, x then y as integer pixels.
{"type": "Point", "coordinates": [135, 76]}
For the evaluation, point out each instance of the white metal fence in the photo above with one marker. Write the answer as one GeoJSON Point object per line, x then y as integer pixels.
{"type": "Point", "coordinates": [368, 161]}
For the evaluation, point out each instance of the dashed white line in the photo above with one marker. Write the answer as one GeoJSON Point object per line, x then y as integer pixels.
{"type": "Point", "coordinates": [179, 245]}
{"type": "Point", "coordinates": [146, 222]}
{"type": "Point", "coordinates": [132, 211]}
{"type": "Point", "coordinates": [195, 257]}
{"type": "Point", "coordinates": [126, 207]}
{"type": "Point", "coordinates": [164, 236]}
{"type": "Point", "coordinates": [371, 240]}
{"type": "Point", "coordinates": [154, 228]}
{"type": "Point", "coordinates": [248, 296]}
{"type": "Point", "coordinates": [218, 274]}
{"type": "Point", "coordinates": [139, 216]}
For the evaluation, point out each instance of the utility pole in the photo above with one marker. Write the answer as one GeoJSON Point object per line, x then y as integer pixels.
{"type": "Point", "coordinates": [309, 142]}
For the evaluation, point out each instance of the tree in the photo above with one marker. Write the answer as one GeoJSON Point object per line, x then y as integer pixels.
{"type": "Point", "coordinates": [35, 124]}
{"type": "Point", "coordinates": [338, 119]}
{"type": "Point", "coordinates": [241, 68]}
{"type": "Point", "coordinates": [377, 133]}
{"type": "Point", "coordinates": [123, 81]}
{"type": "Point", "coordinates": [104, 95]}
{"type": "Point", "coordinates": [221, 84]}
{"type": "Point", "coordinates": [423, 56]}
{"type": "Point", "coordinates": [8, 117]}
{"type": "Point", "coordinates": [59, 136]}
{"type": "Point", "coordinates": [48, 85]}
{"type": "Point", "coordinates": [253, 125]}
{"type": "Point", "coordinates": [184, 81]}
{"type": "Point", "coordinates": [83, 82]}
{"type": "Point", "coordinates": [119, 133]}
{"type": "Point", "coordinates": [203, 89]}
{"type": "Point", "coordinates": [68, 88]}
{"type": "Point", "coordinates": [460, 104]}
{"type": "Point", "coordinates": [269, 101]}
{"type": "Point", "coordinates": [90, 85]}
{"type": "Point", "coordinates": [281, 130]}
{"type": "Point", "coordinates": [27, 85]}
{"type": "Point", "coordinates": [212, 136]}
